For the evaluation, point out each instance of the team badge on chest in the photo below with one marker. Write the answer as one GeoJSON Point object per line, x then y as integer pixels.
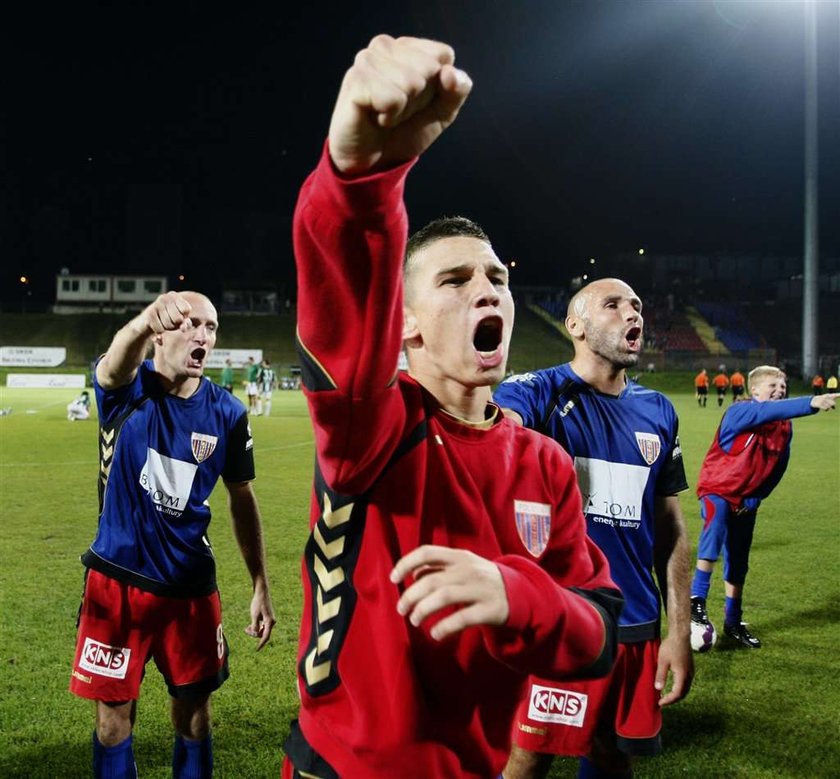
{"type": "Point", "coordinates": [203, 446]}
{"type": "Point", "coordinates": [533, 523]}
{"type": "Point", "coordinates": [649, 446]}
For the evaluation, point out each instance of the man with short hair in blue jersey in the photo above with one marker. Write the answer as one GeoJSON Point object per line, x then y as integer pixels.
{"type": "Point", "coordinates": [166, 436]}
{"type": "Point", "coordinates": [624, 441]}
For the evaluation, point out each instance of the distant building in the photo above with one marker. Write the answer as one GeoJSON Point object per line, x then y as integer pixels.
{"type": "Point", "coordinates": [77, 294]}
{"type": "Point", "coordinates": [250, 301]}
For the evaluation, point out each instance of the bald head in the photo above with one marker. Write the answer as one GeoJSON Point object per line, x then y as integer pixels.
{"type": "Point", "coordinates": [196, 298]}
{"type": "Point", "coordinates": [579, 305]}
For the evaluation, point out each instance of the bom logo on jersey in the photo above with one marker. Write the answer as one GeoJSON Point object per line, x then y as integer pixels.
{"type": "Point", "coordinates": [551, 704]}
{"type": "Point", "coordinates": [105, 660]}
{"type": "Point", "coordinates": [168, 482]}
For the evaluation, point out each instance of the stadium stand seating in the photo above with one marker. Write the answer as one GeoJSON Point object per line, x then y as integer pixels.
{"type": "Point", "coordinates": [555, 306]}
{"type": "Point", "coordinates": [731, 325]}
{"type": "Point", "coordinates": [672, 330]}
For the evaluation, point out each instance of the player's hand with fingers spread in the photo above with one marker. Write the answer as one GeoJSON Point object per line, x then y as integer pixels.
{"type": "Point", "coordinates": [445, 577]}
{"type": "Point", "coordinates": [825, 402]}
{"type": "Point", "coordinates": [168, 312]}
{"type": "Point", "coordinates": [399, 95]}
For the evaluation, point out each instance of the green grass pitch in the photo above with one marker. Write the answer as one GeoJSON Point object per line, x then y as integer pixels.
{"type": "Point", "coordinates": [751, 714]}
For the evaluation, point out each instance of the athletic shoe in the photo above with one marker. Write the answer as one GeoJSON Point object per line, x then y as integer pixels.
{"type": "Point", "coordinates": [698, 611]}
{"type": "Point", "coordinates": [743, 636]}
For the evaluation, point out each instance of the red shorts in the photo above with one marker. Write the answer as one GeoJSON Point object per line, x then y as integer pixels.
{"type": "Point", "coordinates": [562, 718]}
{"type": "Point", "coordinates": [121, 627]}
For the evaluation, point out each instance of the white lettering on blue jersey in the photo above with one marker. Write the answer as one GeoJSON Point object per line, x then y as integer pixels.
{"type": "Point", "coordinates": [167, 481]}
{"type": "Point", "coordinates": [613, 493]}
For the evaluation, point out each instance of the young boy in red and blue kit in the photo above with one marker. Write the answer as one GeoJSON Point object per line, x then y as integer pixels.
{"type": "Point", "coordinates": [744, 464]}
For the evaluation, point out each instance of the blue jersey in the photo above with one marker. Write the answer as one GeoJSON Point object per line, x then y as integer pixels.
{"type": "Point", "coordinates": [626, 452]}
{"type": "Point", "coordinates": [160, 457]}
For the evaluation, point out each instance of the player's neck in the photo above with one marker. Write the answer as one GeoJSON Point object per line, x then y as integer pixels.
{"type": "Point", "coordinates": [180, 386]}
{"type": "Point", "coordinates": [600, 374]}
{"type": "Point", "coordinates": [468, 404]}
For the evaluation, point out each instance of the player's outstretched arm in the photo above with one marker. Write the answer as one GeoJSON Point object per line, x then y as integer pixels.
{"type": "Point", "coordinates": [399, 95]}
{"type": "Point", "coordinates": [672, 561]}
{"type": "Point", "coordinates": [247, 528]}
{"type": "Point", "coordinates": [825, 402]}
{"type": "Point", "coordinates": [119, 364]}
{"type": "Point", "coordinates": [445, 577]}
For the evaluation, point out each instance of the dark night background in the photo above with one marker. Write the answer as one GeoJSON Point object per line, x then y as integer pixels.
{"type": "Point", "coordinates": [143, 137]}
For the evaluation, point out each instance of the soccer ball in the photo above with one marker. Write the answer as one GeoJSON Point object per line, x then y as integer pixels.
{"type": "Point", "coordinates": [703, 636]}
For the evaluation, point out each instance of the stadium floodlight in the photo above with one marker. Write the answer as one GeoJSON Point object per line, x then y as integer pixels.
{"type": "Point", "coordinates": [810, 259]}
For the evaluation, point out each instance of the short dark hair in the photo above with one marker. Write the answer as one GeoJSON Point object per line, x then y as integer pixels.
{"type": "Point", "coordinates": [444, 227]}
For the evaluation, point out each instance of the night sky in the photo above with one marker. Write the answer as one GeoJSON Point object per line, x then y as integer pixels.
{"type": "Point", "coordinates": [172, 138]}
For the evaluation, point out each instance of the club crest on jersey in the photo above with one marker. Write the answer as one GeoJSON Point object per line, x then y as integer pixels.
{"type": "Point", "coordinates": [649, 446]}
{"type": "Point", "coordinates": [533, 523]}
{"type": "Point", "coordinates": [203, 446]}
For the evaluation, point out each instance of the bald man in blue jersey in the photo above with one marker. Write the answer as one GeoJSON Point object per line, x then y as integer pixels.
{"type": "Point", "coordinates": [624, 441]}
{"type": "Point", "coordinates": [166, 436]}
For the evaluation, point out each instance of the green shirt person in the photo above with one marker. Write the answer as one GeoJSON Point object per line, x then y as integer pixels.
{"type": "Point", "coordinates": [226, 379]}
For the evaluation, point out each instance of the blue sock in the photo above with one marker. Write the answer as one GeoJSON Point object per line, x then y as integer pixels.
{"type": "Point", "coordinates": [732, 611]}
{"type": "Point", "coordinates": [192, 759]}
{"type": "Point", "coordinates": [588, 770]}
{"type": "Point", "coordinates": [115, 762]}
{"type": "Point", "coordinates": [701, 583]}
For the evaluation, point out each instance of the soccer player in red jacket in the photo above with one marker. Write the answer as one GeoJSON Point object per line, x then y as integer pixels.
{"type": "Point", "coordinates": [448, 555]}
{"type": "Point", "coordinates": [744, 464]}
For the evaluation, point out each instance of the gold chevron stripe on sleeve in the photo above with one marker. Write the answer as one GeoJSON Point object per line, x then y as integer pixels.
{"type": "Point", "coordinates": [332, 549]}
{"type": "Point", "coordinates": [326, 609]}
{"type": "Point", "coordinates": [332, 519]}
{"type": "Point", "coordinates": [324, 641]}
{"type": "Point", "coordinates": [316, 673]}
{"type": "Point", "coordinates": [328, 579]}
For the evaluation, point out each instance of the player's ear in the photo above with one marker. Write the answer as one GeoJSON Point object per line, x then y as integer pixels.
{"type": "Point", "coordinates": [574, 324]}
{"type": "Point", "coordinates": [410, 330]}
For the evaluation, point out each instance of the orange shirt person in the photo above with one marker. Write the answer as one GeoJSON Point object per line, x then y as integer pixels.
{"type": "Point", "coordinates": [721, 382]}
{"type": "Point", "coordinates": [738, 383]}
{"type": "Point", "coordinates": [818, 385]}
{"type": "Point", "coordinates": [701, 387]}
